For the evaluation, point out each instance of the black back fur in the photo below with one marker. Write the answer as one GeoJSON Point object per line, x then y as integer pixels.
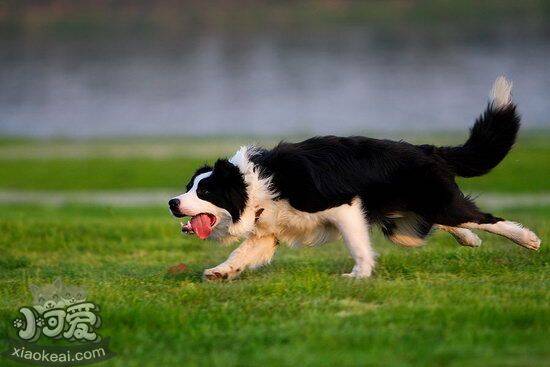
{"type": "Point", "coordinates": [399, 184]}
{"type": "Point", "coordinates": [390, 177]}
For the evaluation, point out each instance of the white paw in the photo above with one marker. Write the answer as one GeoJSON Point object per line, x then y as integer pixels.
{"type": "Point", "coordinates": [530, 240]}
{"type": "Point", "coordinates": [464, 236]}
{"type": "Point", "coordinates": [469, 239]}
{"type": "Point", "coordinates": [359, 272]}
{"type": "Point", "coordinates": [221, 272]}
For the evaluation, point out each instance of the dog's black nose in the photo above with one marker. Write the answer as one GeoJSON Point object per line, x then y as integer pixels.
{"type": "Point", "coordinates": [174, 203]}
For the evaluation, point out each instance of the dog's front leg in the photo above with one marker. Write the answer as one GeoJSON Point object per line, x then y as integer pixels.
{"type": "Point", "coordinates": [252, 253]}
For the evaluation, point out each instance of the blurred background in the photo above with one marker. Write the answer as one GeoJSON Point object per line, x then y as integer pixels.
{"type": "Point", "coordinates": [75, 68]}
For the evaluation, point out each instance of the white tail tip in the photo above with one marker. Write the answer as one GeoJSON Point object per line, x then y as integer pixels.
{"type": "Point", "coordinates": [501, 94]}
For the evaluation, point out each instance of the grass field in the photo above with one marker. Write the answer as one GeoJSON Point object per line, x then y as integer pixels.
{"type": "Point", "coordinates": [440, 305]}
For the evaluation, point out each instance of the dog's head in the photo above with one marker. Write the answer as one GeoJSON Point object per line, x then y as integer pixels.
{"type": "Point", "coordinates": [215, 200]}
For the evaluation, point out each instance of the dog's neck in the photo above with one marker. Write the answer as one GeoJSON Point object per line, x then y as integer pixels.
{"type": "Point", "coordinates": [259, 194]}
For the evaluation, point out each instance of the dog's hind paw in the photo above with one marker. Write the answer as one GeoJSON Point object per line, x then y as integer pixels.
{"type": "Point", "coordinates": [530, 241]}
{"type": "Point", "coordinates": [468, 238]}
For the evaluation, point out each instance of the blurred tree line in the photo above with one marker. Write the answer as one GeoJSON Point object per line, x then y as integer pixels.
{"type": "Point", "coordinates": [171, 16]}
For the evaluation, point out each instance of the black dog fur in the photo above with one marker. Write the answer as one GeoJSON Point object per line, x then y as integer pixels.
{"type": "Point", "coordinates": [388, 176]}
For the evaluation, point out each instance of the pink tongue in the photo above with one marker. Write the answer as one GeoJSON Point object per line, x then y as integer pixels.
{"type": "Point", "coordinates": [201, 226]}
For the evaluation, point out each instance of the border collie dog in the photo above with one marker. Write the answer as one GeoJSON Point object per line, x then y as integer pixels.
{"type": "Point", "coordinates": [311, 192]}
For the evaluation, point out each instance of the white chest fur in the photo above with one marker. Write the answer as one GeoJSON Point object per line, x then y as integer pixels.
{"type": "Point", "coordinates": [295, 227]}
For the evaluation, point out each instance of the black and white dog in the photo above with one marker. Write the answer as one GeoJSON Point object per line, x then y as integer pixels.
{"type": "Point", "coordinates": [310, 192]}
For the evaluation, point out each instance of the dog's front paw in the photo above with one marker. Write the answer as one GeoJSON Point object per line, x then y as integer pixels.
{"type": "Point", "coordinates": [359, 272]}
{"type": "Point", "coordinates": [221, 272]}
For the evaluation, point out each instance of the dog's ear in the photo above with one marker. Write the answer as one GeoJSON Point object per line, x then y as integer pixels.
{"type": "Point", "coordinates": [224, 169]}
{"type": "Point", "coordinates": [229, 177]}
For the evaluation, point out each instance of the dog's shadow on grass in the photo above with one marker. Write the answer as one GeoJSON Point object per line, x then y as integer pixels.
{"type": "Point", "coordinates": [192, 276]}
{"type": "Point", "coordinates": [183, 273]}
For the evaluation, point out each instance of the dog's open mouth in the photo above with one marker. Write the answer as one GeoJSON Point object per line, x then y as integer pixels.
{"type": "Point", "coordinates": [200, 224]}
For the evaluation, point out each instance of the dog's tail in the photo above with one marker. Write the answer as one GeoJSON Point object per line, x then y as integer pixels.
{"type": "Point", "coordinates": [491, 137]}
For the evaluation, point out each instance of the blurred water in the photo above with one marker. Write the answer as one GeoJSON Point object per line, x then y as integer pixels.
{"type": "Point", "coordinates": [340, 80]}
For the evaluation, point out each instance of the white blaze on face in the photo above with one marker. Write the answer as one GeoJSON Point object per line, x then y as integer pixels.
{"type": "Point", "coordinates": [202, 212]}
{"type": "Point", "coordinates": [191, 204]}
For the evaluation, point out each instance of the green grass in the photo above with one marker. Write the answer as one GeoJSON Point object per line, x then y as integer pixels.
{"type": "Point", "coordinates": [440, 305]}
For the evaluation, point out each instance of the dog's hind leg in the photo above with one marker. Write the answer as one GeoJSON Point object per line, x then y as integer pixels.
{"type": "Point", "coordinates": [464, 213]}
{"type": "Point", "coordinates": [252, 253]}
{"type": "Point", "coordinates": [406, 229]}
{"type": "Point", "coordinates": [352, 223]}
{"type": "Point", "coordinates": [463, 236]}
{"type": "Point", "coordinates": [511, 230]}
